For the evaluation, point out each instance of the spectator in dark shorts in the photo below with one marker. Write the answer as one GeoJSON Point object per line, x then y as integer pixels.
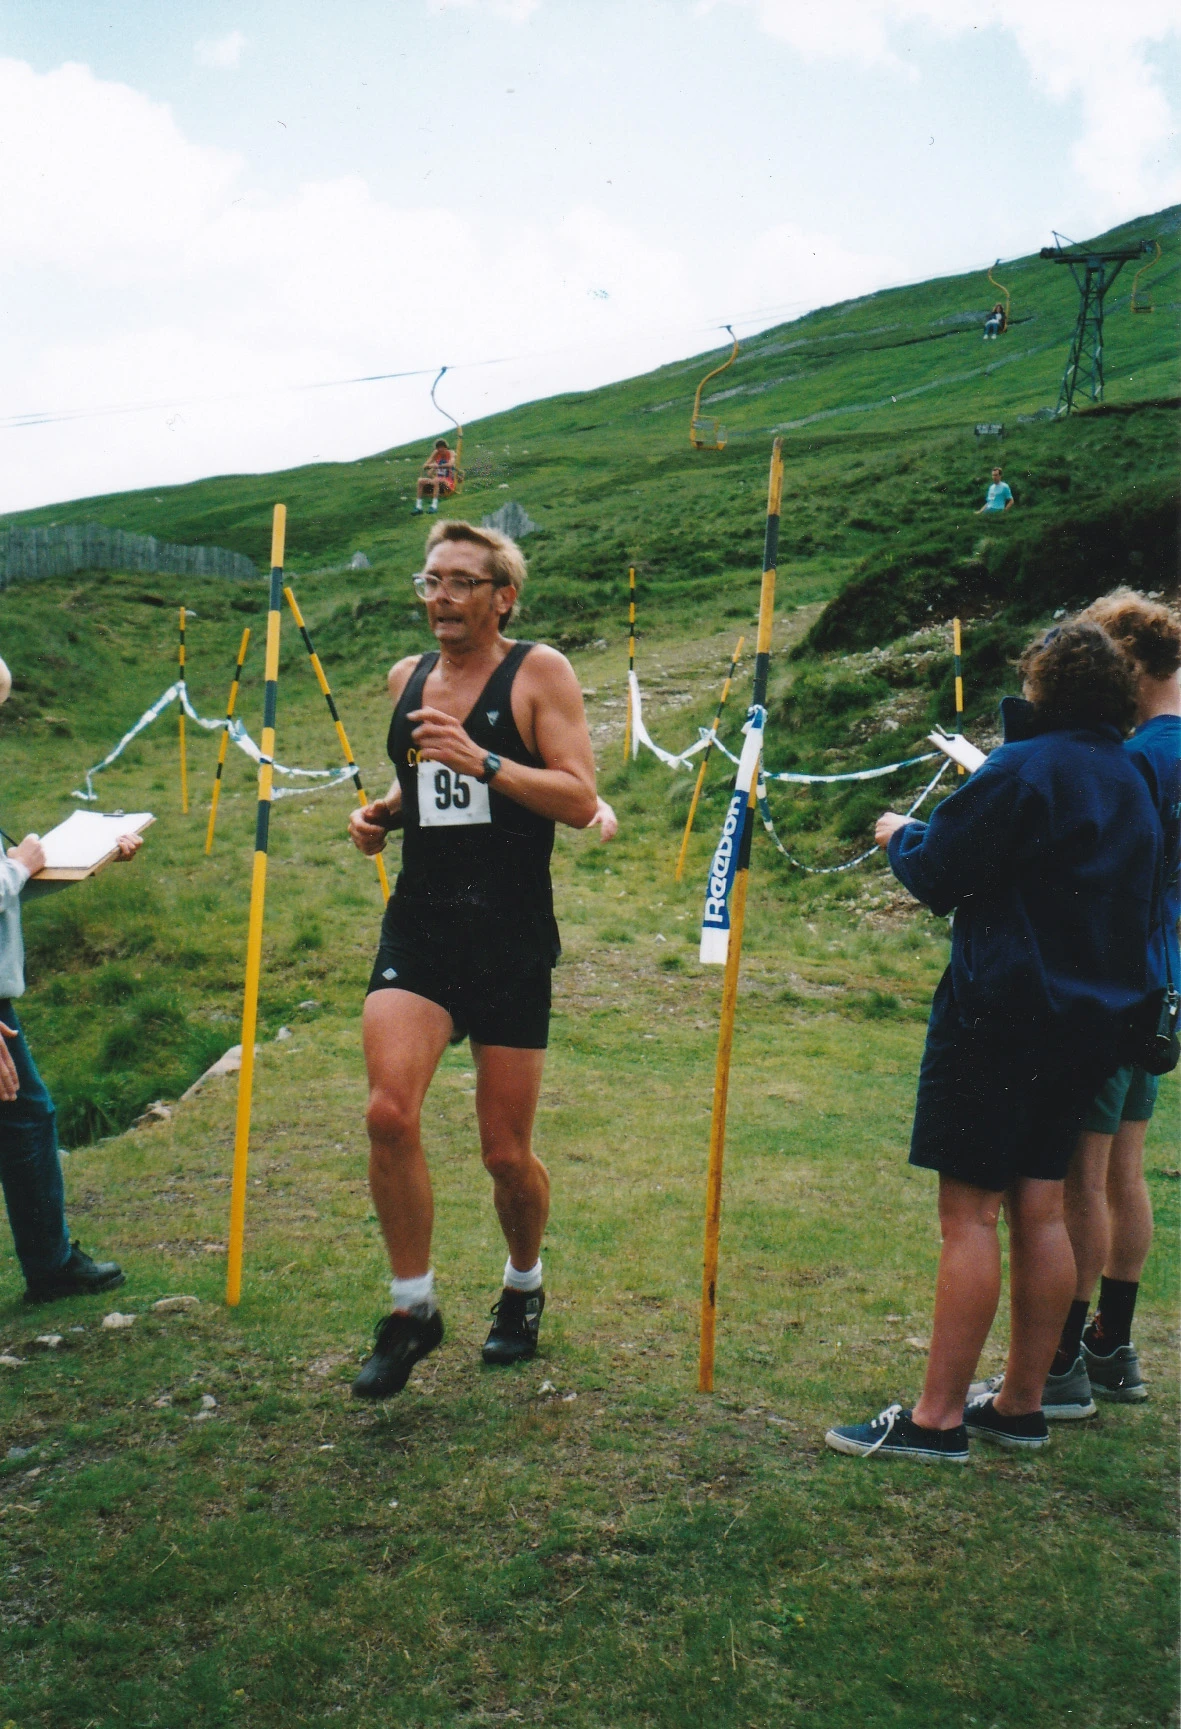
{"type": "Point", "coordinates": [1048, 854]}
{"type": "Point", "coordinates": [1108, 1209]}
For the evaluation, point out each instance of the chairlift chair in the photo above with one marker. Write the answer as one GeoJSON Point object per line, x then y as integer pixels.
{"type": "Point", "coordinates": [1006, 311]}
{"type": "Point", "coordinates": [1144, 305]}
{"type": "Point", "coordinates": [707, 433]}
{"type": "Point", "coordinates": [459, 474]}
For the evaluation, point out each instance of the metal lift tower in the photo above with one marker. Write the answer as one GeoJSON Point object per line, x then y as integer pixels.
{"type": "Point", "coordinates": [1093, 272]}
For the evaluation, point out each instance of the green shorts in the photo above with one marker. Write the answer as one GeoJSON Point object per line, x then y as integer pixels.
{"type": "Point", "coordinates": [1128, 1097]}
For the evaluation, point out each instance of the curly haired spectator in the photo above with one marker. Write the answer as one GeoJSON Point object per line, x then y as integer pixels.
{"type": "Point", "coordinates": [1048, 857]}
{"type": "Point", "coordinates": [1108, 1208]}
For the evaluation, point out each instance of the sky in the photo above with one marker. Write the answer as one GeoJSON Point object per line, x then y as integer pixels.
{"type": "Point", "coordinates": [215, 215]}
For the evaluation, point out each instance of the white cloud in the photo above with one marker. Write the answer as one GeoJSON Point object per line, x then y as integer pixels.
{"type": "Point", "coordinates": [94, 171]}
{"type": "Point", "coordinates": [175, 282]}
{"type": "Point", "coordinates": [222, 52]}
{"type": "Point", "coordinates": [516, 11]}
{"type": "Point", "coordinates": [1084, 49]}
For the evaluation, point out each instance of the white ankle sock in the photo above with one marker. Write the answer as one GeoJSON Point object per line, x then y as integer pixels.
{"type": "Point", "coordinates": [414, 1293]}
{"type": "Point", "coordinates": [515, 1280]}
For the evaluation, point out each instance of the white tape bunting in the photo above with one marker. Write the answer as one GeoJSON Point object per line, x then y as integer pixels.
{"type": "Point", "coordinates": [331, 777]}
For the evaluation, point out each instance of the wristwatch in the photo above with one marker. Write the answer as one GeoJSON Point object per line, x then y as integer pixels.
{"type": "Point", "coordinates": [390, 821]}
{"type": "Point", "coordinates": [491, 767]}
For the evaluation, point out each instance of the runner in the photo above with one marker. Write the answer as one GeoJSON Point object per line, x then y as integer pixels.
{"type": "Point", "coordinates": [491, 748]}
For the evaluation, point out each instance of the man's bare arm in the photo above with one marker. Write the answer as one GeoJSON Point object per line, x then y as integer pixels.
{"type": "Point", "coordinates": [369, 824]}
{"type": "Point", "coordinates": [564, 790]}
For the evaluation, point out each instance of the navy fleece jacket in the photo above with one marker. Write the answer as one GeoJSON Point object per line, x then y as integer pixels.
{"type": "Point", "coordinates": [1049, 855]}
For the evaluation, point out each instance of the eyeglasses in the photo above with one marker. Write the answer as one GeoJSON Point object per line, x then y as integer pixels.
{"type": "Point", "coordinates": [427, 586]}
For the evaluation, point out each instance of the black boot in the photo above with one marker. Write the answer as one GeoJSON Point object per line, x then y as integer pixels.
{"type": "Point", "coordinates": [401, 1340]}
{"type": "Point", "coordinates": [78, 1277]}
{"type": "Point", "coordinates": [515, 1320]}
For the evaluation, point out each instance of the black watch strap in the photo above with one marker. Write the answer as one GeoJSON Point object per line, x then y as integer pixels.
{"type": "Point", "coordinates": [390, 821]}
{"type": "Point", "coordinates": [491, 767]}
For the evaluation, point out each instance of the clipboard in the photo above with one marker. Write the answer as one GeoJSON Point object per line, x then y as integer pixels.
{"type": "Point", "coordinates": [958, 748]}
{"type": "Point", "coordinates": [85, 843]}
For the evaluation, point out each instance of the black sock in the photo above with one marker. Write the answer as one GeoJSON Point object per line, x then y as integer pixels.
{"type": "Point", "coordinates": [1072, 1333]}
{"type": "Point", "coordinates": [1112, 1326]}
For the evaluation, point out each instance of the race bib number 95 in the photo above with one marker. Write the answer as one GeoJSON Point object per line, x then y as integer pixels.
{"type": "Point", "coordinates": [450, 800]}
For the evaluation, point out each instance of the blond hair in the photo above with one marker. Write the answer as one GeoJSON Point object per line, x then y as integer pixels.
{"type": "Point", "coordinates": [1148, 633]}
{"type": "Point", "coordinates": [506, 561]}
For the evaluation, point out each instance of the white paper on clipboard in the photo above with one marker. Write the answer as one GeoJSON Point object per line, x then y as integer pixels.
{"type": "Point", "coordinates": [959, 749]}
{"type": "Point", "coordinates": [87, 839]}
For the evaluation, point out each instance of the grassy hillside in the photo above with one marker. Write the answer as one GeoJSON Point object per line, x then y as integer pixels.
{"type": "Point", "coordinates": [583, 1542]}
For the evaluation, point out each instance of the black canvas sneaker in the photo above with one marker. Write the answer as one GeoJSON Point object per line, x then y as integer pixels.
{"type": "Point", "coordinates": [401, 1340]}
{"type": "Point", "coordinates": [79, 1277]}
{"type": "Point", "coordinates": [893, 1434]}
{"type": "Point", "coordinates": [515, 1320]}
{"type": "Point", "coordinates": [1028, 1433]}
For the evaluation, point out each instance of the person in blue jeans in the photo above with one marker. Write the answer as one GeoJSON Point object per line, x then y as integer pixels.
{"type": "Point", "coordinates": [1108, 1209]}
{"type": "Point", "coordinates": [30, 1168]}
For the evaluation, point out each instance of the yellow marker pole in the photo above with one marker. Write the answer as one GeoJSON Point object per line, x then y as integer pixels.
{"type": "Point", "coordinates": [631, 658]}
{"type": "Point", "coordinates": [957, 662]}
{"type": "Point", "coordinates": [184, 766]}
{"type": "Point", "coordinates": [339, 725]}
{"type": "Point", "coordinates": [225, 739]}
{"type": "Point", "coordinates": [717, 1127]}
{"type": "Point", "coordinates": [258, 889]}
{"type": "Point", "coordinates": [708, 752]}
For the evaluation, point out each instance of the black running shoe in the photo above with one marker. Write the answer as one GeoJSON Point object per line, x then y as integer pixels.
{"type": "Point", "coordinates": [515, 1320]}
{"type": "Point", "coordinates": [78, 1277]}
{"type": "Point", "coordinates": [401, 1340]}
{"type": "Point", "coordinates": [893, 1434]}
{"type": "Point", "coordinates": [1024, 1434]}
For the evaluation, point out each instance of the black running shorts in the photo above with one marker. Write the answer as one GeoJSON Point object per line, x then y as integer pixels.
{"type": "Point", "coordinates": [493, 995]}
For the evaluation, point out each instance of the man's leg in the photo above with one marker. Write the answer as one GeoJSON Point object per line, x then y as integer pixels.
{"type": "Point", "coordinates": [1088, 1224]}
{"type": "Point", "coordinates": [508, 1083]}
{"type": "Point", "coordinates": [1041, 1282]}
{"type": "Point", "coordinates": [1112, 1361]}
{"type": "Point", "coordinates": [967, 1291]}
{"type": "Point", "coordinates": [404, 1037]}
{"type": "Point", "coordinates": [1129, 1205]}
{"type": "Point", "coordinates": [30, 1169]}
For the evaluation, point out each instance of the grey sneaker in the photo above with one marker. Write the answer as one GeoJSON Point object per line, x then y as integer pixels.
{"type": "Point", "coordinates": [1065, 1398]}
{"type": "Point", "coordinates": [1116, 1377]}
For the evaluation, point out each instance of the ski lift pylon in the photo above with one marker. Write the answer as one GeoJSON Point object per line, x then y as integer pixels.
{"type": "Point", "coordinates": [707, 434]}
{"type": "Point", "coordinates": [458, 487]}
{"type": "Point", "coordinates": [1144, 305]}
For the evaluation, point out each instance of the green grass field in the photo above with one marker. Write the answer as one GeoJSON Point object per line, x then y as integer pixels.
{"type": "Point", "coordinates": [585, 1540]}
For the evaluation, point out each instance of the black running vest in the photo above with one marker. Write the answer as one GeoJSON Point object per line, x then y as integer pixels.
{"type": "Point", "coordinates": [475, 864]}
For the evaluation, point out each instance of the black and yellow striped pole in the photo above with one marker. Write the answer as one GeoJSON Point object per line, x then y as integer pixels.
{"type": "Point", "coordinates": [717, 1127]}
{"type": "Point", "coordinates": [631, 657]}
{"type": "Point", "coordinates": [339, 725]}
{"type": "Point", "coordinates": [957, 661]}
{"type": "Point", "coordinates": [258, 889]}
{"type": "Point", "coordinates": [184, 766]}
{"type": "Point", "coordinates": [706, 754]}
{"type": "Point", "coordinates": [225, 739]}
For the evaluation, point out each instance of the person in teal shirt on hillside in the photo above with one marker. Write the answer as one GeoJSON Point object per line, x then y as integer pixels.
{"type": "Point", "coordinates": [999, 496]}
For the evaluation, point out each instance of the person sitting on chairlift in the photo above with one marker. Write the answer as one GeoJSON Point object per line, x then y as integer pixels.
{"type": "Point", "coordinates": [996, 323]}
{"type": "Point", "coordinates": [437, 479]}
